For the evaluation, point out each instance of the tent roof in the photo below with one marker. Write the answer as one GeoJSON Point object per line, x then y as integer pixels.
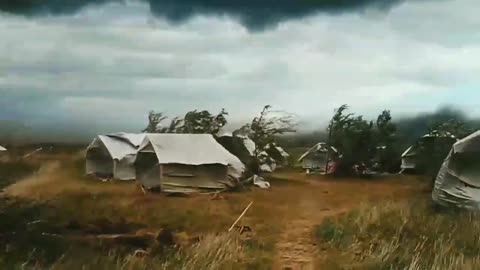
{"type": "Point", "coordinates": [470, 143]}
{"type": "Point", "coordinates": [119, 145]}
{"type": "Point", "coordinates": [319, 147]}
{"type": "Point", "coordinates": [3, 148]}
{"type": "Point", "coordinates": [191, 149]}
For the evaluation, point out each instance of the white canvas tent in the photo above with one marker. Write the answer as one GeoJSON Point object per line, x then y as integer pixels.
{"type": "Point", "coordinates": [2, 149]}
{"type": "Point", "coordinates": [113, 155]}
{"type": "Point", "coordinates": [458, 181]}
{"type": "Point", "coordinates": [316, 157]}
{"type": "Point", "coordinates": [410, 156]}
{"type": "Point", "coordinates": [185, 163]}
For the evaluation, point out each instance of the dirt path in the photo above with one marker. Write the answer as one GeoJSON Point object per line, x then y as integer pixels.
{"type": "Point", "coordinates": [296, 249]}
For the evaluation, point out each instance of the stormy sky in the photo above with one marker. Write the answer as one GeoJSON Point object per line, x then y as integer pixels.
{"type": "Point", "coordinates": [99, 66]}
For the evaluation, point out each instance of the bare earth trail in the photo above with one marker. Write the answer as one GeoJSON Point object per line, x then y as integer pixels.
{"type": "Point", "coordinates": [323, 198]}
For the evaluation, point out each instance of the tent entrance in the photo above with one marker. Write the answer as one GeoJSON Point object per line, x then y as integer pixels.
{"type": "Point", "coordinates": [148, 170]}
{"type": "Point", "coordinates": [99, 163]}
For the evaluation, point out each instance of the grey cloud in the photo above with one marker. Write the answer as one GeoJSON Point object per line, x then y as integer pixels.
{"type": "Point", "coordinates": [103, 68]}
{"type": "Point", "coordinates": [254, 14]}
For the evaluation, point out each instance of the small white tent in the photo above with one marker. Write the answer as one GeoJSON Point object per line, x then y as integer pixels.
{"type": "Point", "coordinates": [410, 156]}
{"type": "Point", "coordinates": [316, 157]}
{"type": "Point", "coordinates": [113, 156]}
{"type": "Point", "coordinates": [185, 163]}
{"type": "Point", "coordinates": [458, 181]}
{"type": "Point", "coordinates": [2, 149]}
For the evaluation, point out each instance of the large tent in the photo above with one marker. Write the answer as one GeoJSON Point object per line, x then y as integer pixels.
{"type": "Point", "coordinates": [458, 181]}
{"type": "Point", "coordinates": [433, 141]}
{"type": "Point", "coordinates": [113, 155]}
{"type": "Point", "coordinates": [316, 157]}
{"type": "Point", "coordinates": [185, 163]}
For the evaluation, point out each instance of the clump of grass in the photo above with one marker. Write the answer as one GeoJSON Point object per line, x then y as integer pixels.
{"type": "Point", "coordinates": [404, 236]}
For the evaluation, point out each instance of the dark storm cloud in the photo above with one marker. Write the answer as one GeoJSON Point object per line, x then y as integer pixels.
{"type": "Point", "coordinates": [254, 14]}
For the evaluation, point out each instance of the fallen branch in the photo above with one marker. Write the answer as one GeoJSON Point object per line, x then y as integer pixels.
{"type": "Point", "coordinates": [240, 217]}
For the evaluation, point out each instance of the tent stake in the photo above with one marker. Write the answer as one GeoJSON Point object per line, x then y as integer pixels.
{"type": "Point", "coordinates": [240, 217]}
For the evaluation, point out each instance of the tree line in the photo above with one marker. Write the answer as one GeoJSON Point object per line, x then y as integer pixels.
{"type": "Point", "coordinates": [374, 144]}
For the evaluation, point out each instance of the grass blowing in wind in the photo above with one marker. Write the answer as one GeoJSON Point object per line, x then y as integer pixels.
{"type": "Point", "coordinates": [409, 235]}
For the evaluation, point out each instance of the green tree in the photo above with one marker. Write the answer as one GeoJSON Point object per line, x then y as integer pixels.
{"type": "Point", "coordinates": [353, 137]}
{"type": "Point", "coordinates": [387, 152]}
{"type": "Point", "coordinates": [203, 122]}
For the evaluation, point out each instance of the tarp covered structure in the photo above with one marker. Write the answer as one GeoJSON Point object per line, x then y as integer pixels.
{"type": "Point", "coordinates": [458, 181]}
{"type": "Point", "coordinates": [185, 163]}
{"type": "Point", "coordinates": [240, 146]}
{"type": "Point", "coordinates": [243, 147]}
{"type": "Point", "coordinates": [431, 142]}
{"type": "Point", "coordinates": [267, 163]}
{"type": "Point", "coordinates": [2, 149]}
{"type": "Point", "coordinates": [113, 155]}
{"type": "Point", "coordinates": [316, 157]}
{"type": "Point", "coordinates": [278, 154]}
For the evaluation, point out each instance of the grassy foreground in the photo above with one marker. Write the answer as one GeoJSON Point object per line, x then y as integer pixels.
{"type": "Point", "coordinates": [393, 236]}
{"type": "Point", "coordinates": [51, 220]}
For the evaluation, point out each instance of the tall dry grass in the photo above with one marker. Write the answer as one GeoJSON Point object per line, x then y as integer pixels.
{"type": "Point", "coordinates": [61, 195]}
{"type": "Point", "coordinates": [214, 252]}
{"type": "Point", "coordinates": [409, 236]}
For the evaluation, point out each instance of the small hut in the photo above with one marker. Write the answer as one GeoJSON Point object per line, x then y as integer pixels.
{"type": "Point", "coordinates": [316, 158]}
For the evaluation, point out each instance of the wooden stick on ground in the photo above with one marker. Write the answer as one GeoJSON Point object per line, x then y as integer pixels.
{"type": "Point", "coordinates": [143, 189]}
{"type": "Point", "coordinates": [240, 217]}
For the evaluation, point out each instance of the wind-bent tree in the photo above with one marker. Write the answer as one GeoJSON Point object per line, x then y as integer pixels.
{"type": "Point", "coordinates": [203, 122]}
{"type": "Point", "coordinates": [268, 124]}
{"type": "Point", "coordinates": [353, 137]}
{"type": "Point", "coordinates": [387, 152]}
{"type": "Point", "coordinates": [154, 121]}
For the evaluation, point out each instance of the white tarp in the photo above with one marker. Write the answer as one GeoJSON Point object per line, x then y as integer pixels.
{"type": "Point", "coordinates": [191, 149]}
{"type": "Point", "coordinates": [2, 148]}
{"type": "Point", "coordinates": [249, 144]}
{"type": "Point", "coordinates": [458, 181]}
{"type": "Point", "coordinates": [121, 149]}
{"type": "Point", "coordinates": [282, 152]}
{"type": "Point", "coordinates": [267, 163]}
